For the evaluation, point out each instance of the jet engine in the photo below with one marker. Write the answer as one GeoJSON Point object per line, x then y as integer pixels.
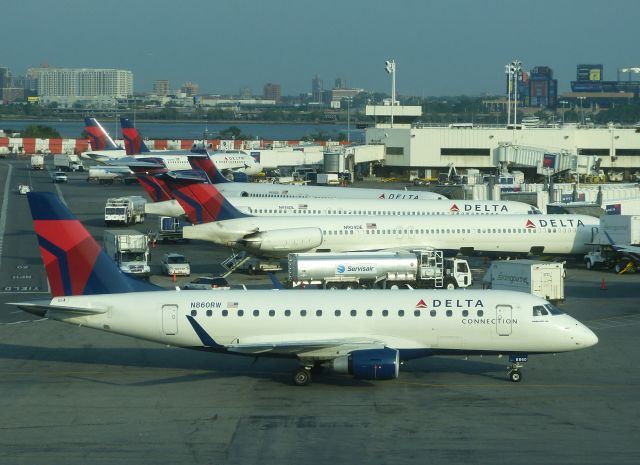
{"type": "Point", "coordinates": [370, 364]}
{"type": "Point", "coordinates": [284, 240]}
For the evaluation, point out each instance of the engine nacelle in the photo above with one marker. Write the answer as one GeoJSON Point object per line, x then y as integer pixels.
{"type": "Point", "coordinates": [370, 364]}
{"type": "Point", "coordinates": [285, 240]}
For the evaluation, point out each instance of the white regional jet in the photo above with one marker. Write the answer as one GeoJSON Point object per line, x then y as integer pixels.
{"type": "Point", "coordinates": [277, 236]}
{"type": "Point", "coordinates": [366, 334]}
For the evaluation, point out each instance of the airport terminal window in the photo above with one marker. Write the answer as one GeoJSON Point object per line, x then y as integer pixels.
{"type": "Point", "coordinates": [303, 313]}
{"type": "Point", "coordinates": [480, 312]}
{"type": "Point", "coordinates": [240, 312]}
{"type": "Point", "coordinates": [272, 312]}
{"type": "Point", "coordinates": [194, 312]}
{"type": "Point", "coordinates": [337, 313]}
{"type": "Point", "coordinates": [353, 313]}
{"type": "Point", "coordinates": [369, 312]}
{"type": "Point", "coordinates": [432, 313]}
{"type": "Point", "coordinates": [225, 312]}
{"type": "Point", "coordinates": [385, 312]}
{"type": "Point", "coordinates": [400, 312]}
{"type": "Point", "coordinates": [209, 312]}
{"type": "Point", "coordinates": [287, 312]}
{"type": "Point", "coordinates": [449, 312]}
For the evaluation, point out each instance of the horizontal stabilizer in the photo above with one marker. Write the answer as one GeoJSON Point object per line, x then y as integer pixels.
{"type": "Point", "coordinates": [41, 307]}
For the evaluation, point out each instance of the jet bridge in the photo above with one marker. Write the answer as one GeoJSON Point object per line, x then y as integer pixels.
{"type": "Point", "coordinates": [546, 162]}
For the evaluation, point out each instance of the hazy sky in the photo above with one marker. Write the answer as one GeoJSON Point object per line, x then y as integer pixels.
{"type": "Point", "coordinates": [441, 47]}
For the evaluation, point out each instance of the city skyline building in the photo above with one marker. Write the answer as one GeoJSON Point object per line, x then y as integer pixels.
{"type": "Point", "coordinates": [161, 87]}
{"type": "Point", "coordinates": [272, 91]}
{"type": "Point", "coordinates": [317, 89]}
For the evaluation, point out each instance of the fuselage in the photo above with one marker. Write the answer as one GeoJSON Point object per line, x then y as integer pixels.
{"type": "Point", "coordinates": [294, 206]}
{"type": "Point", "coordinates": [416, 322]}
{"type": "Point", "coordinates": [502, 235]}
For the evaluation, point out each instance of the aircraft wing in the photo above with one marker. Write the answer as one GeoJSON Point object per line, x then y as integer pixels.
{"type": "Point", "coordinates": [326, 349]}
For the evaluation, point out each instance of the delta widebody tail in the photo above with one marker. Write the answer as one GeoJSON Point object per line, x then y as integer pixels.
{"type": "Point", "coordinates": [363, 333]}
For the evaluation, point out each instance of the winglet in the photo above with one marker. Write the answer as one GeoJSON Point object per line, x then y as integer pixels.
{"type": "Point", "coordinates": [74, 262]}
{"type": "Point", "coordinates": [133, 142]}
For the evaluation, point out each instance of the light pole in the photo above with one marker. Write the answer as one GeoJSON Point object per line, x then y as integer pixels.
{"type": "Point", "coordinates": [581, 98]}
{"type": "Point", "coordinates": [507, 71]}
{"type": "Point", "coordinates": [516, 67]}
{"type": "Point", "coordinates": [563, 103]}
{"type": "Point", "coordinates": [390, 67]}
{"type": "Point", "coordinates": [349, 120]}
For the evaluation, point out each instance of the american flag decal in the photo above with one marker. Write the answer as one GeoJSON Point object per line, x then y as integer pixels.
{"type": "Point", "coordinates": [371, 226]}
{"type": "Point", "coordinates": [232, 304]}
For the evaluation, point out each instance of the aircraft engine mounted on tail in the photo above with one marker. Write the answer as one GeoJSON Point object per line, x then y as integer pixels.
{"type": "Point", "coordinates": [284, 240]}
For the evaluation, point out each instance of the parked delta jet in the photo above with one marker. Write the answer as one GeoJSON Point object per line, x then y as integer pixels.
{"type": "Point", "coordinates": [367, 334]}
{"type": "Point", "coordinates": [180, 159]}
{"type": "Point", "coordinates": [278, 236]}
{"type": "Point", "coordinates": [103, 148]}
{"type": "Point", "coordinates": [164, 204]}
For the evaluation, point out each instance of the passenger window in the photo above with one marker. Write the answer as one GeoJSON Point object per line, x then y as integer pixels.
{"type": "Point", "coordinates": [194, 312]}
{"type": "Point", "coordinates": [287, 312]}
{"type": "Point", "coordinates": [318, 312]}
{"type": "Point", "coordinates": [337, 312]}
{"type": "Point", "coordinates": [256, 312]}
{"type": "Point", "coordinates": [240, 312]}
{"type": "Point", "coordinates": [416, 312]}
{"type": "Point", "coordinates": [480, 312]}
{"type": "Point", "coordinates": [465, 312]}
{"type": "Point", "coordinates": [353, 312]}
{"type": "Point", "coordinates": [385, 312]}
{"type": "Point", "coordinates": [272, 313]}
{"type": "Point", "coordinates": [449, 312]}
{"type": "Point", "coordinates": [225, 312]}
{"type": "Point", "coordinates": [432, 313]}
{"type": "Point", "coordinates": [400, 312]}
{"type": "Point", "coordinates": [303, 313]}
{"type": "Point", "coordinates": [369, 312]}
{"type": "Point", "coordinates": [209, 312]}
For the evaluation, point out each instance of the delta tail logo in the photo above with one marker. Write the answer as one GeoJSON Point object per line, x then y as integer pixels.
{"type": "Point", "coordinates": [421, 304]}
{"type": "Point", "coordinates": [530, 225]}
{"type": "Point", "coordinates": [454, 208]}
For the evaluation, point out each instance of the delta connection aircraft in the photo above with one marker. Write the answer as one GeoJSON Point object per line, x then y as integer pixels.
{"type": "Point", "coordinates": [216, 220]}
{"type": "Point", "coordinates": [366, 334]}
{"type": "Point", "coordinates": [164, 204]}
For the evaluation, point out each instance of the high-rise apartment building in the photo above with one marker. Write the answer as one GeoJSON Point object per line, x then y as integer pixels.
{"type": "Point", "coordinates": [161, 87]}
{"type": "Point", "coordinates": [69, 85]}
{"type": "Point", "coordinates": [317, 89]}
{"type": "Point", "coordinates": [272, 92]}
{"type": "Point", "coordinates": [190, 89]}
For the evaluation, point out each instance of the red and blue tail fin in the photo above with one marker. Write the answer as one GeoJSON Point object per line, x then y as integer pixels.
{"type": "Point", "coordinates": [149, 176]}
{"type": "Point", "coordinates": [133, 142]}
{"type": "Point", "coordinates": [75, 263]}
{"type": "Point", "coordinates": [99, 139]}
{"type": "Point", "coordinates": [208, 166]}
{"type": "Point", "coordinates": [201, 201]}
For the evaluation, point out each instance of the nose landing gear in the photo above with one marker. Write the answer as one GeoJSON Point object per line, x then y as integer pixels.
{"type": "Point", "coordinates": [513, 370]}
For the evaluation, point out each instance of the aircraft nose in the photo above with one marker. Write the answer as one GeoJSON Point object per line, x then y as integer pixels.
{"type": "Point", "coordinates": [586, 337]}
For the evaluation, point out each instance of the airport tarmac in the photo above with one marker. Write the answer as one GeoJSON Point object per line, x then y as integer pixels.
{"type": "Point", "coordinates": [71, 395]}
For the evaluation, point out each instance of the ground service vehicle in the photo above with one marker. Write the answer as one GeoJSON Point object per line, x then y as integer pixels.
{"type": "Point", "coordinates": [205, 283]}
{"type": "Point", "coordinates": [124, 210]}
{"type": "Point", "coordinates": [425, 268]}
{"type": "Point", "coordinates": [37, 162]}
{"type": "Point", "coordinates": [170, 228]}
{"type": "Point", "coordinates": [173, 263]}
{"type": "Point", "coordinates": [540, 278]}
{"type": "Point", "coordinates": [60, 176]}
{"type": "Point", "coordinates": [129, 249]}
{"type": "Point", "coordinates": [616, 232]}
{"type": "Point", "coordinates": [67, 162]}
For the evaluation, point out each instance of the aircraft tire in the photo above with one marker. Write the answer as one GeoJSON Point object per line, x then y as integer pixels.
{"type": "Point", "coordinates": [301, 377]}
{"type": "Point", "coordinates": [515, 376]}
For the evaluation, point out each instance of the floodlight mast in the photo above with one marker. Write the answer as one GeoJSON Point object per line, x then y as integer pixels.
{"type": "Point", "coordinates": [390, 67]}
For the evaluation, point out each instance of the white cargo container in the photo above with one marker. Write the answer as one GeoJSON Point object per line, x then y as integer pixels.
{"type": "Point", "coordinates": [124, 210]}
{"type": "Point", "coordinates": [621, 229]}
{"type": "Point", "coordinates": [37, 162]}
{"type": "Point", "coordinates": [327, 179]}
{"type": "Point", "coordinates": [67, 162]}
{"type": "Point", "coordinates": [540, 278]}
{"type": "Point", "coordinates": [129, 249]}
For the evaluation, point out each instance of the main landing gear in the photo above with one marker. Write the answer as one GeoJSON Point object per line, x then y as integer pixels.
{"type": "Point", "coordinates": [302, 375]}
{"type": "Point", "coordinates": [513, 370]}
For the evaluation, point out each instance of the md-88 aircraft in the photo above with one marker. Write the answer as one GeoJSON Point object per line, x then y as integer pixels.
{"type": "Point", "coordinates": [216, 220]}
{"type": "Point", "coordinates": [366, 334]}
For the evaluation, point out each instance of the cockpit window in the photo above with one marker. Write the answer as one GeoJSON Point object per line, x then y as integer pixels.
{"type": "Point", "coordinates": [553, 309]}
{"type": "Point", "coordinates": [535, 211]}
{"type": "Point", "coordinates": [539, 310]}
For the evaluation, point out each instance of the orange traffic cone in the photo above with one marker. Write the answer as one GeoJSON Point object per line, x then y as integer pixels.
{"type": "Point", "coordinates": [603, 285]}
{"type": "Point", "coordinates": [173, 278]}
